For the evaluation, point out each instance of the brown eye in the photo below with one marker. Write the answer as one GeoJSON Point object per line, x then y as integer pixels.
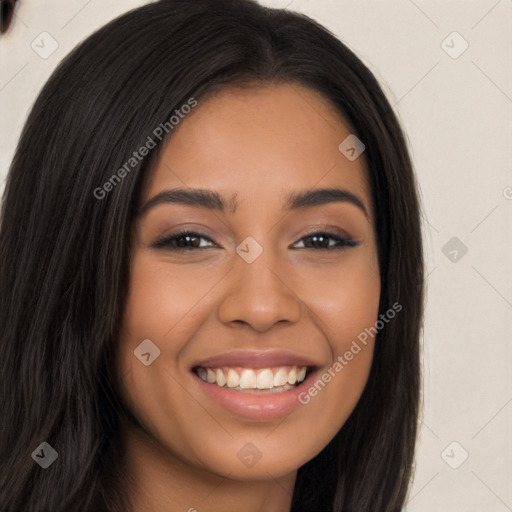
{"type": "Point", "coordinates": [322, 241]}
{"type": "Point", "coordinates": [183, 240]}
{"type": "Point", "coordinates": [190, 240]}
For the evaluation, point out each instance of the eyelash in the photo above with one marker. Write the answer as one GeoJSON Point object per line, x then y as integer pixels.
{"type": "Point", "coordinates": [165, 242]}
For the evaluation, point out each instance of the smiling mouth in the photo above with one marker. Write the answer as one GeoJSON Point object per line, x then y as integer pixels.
{"type": "Point", "coordinates": [254, 380]}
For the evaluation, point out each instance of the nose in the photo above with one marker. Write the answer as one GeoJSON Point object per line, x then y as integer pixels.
{"type": "Point", "coordinates": [259, 294]}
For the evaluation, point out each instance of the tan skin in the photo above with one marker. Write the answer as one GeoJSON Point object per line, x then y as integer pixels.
{"type": "Point", "coordinates": [254, 145]}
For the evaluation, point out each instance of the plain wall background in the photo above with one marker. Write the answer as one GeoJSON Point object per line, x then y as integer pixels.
{"type": "Point", "coordinates": [456, 109]}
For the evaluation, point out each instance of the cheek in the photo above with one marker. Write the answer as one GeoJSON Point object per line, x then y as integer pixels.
{"type": "Point", "coordinates": [154, 305]}
{"type": "Point", "coordinates": [345, 299]}
{"type": "Point", "coordinates": [345, 305]}
{"type": "Point", "coordinates": [161, 309]}
{"type": "Point", "coordinates": [161, 301]}
{"type": "Point", "coordinates": [353, 307]}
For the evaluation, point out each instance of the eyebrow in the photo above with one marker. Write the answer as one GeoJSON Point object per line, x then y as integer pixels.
{"type": "Point", "coordinates": [203, 198]}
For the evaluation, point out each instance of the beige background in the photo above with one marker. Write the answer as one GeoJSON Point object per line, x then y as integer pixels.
{"type": "Point", "coordinates": [457, 113]}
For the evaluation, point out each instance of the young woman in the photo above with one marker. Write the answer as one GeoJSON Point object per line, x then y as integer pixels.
{"type": "Point", "coordinates": [211, 274]}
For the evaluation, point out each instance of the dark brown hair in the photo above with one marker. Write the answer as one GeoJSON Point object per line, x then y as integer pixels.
{"type": "Point", "coordinates": [64, 253]}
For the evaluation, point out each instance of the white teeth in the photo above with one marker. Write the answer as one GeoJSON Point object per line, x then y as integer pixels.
{"type": "Point", "coordinates": [221, 378]}
{"type": "Point", "coordinates": [233, 379]}
{"type": "Point", "coordinates": [265, 379]}
{"type": "Point", "coordinates": [280, 389]}
{"type": "Point", "coordinates": [250, 379]}
{"type": "Point", "coordinates": [281, 377]}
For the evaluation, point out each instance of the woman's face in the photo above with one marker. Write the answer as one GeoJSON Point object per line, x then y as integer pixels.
{"type": "Point", "coordinates": [260, 294]}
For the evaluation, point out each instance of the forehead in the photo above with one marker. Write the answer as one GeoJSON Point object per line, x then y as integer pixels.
{"type": "Point", "coordinates": [260, 141]}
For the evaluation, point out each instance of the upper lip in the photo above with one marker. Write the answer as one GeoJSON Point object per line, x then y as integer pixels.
{"type": "Point", "coordinates": [257, 359]}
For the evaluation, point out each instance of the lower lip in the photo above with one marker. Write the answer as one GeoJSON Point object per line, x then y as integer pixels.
{"type": "Point", "coordinates": [255, 406]}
